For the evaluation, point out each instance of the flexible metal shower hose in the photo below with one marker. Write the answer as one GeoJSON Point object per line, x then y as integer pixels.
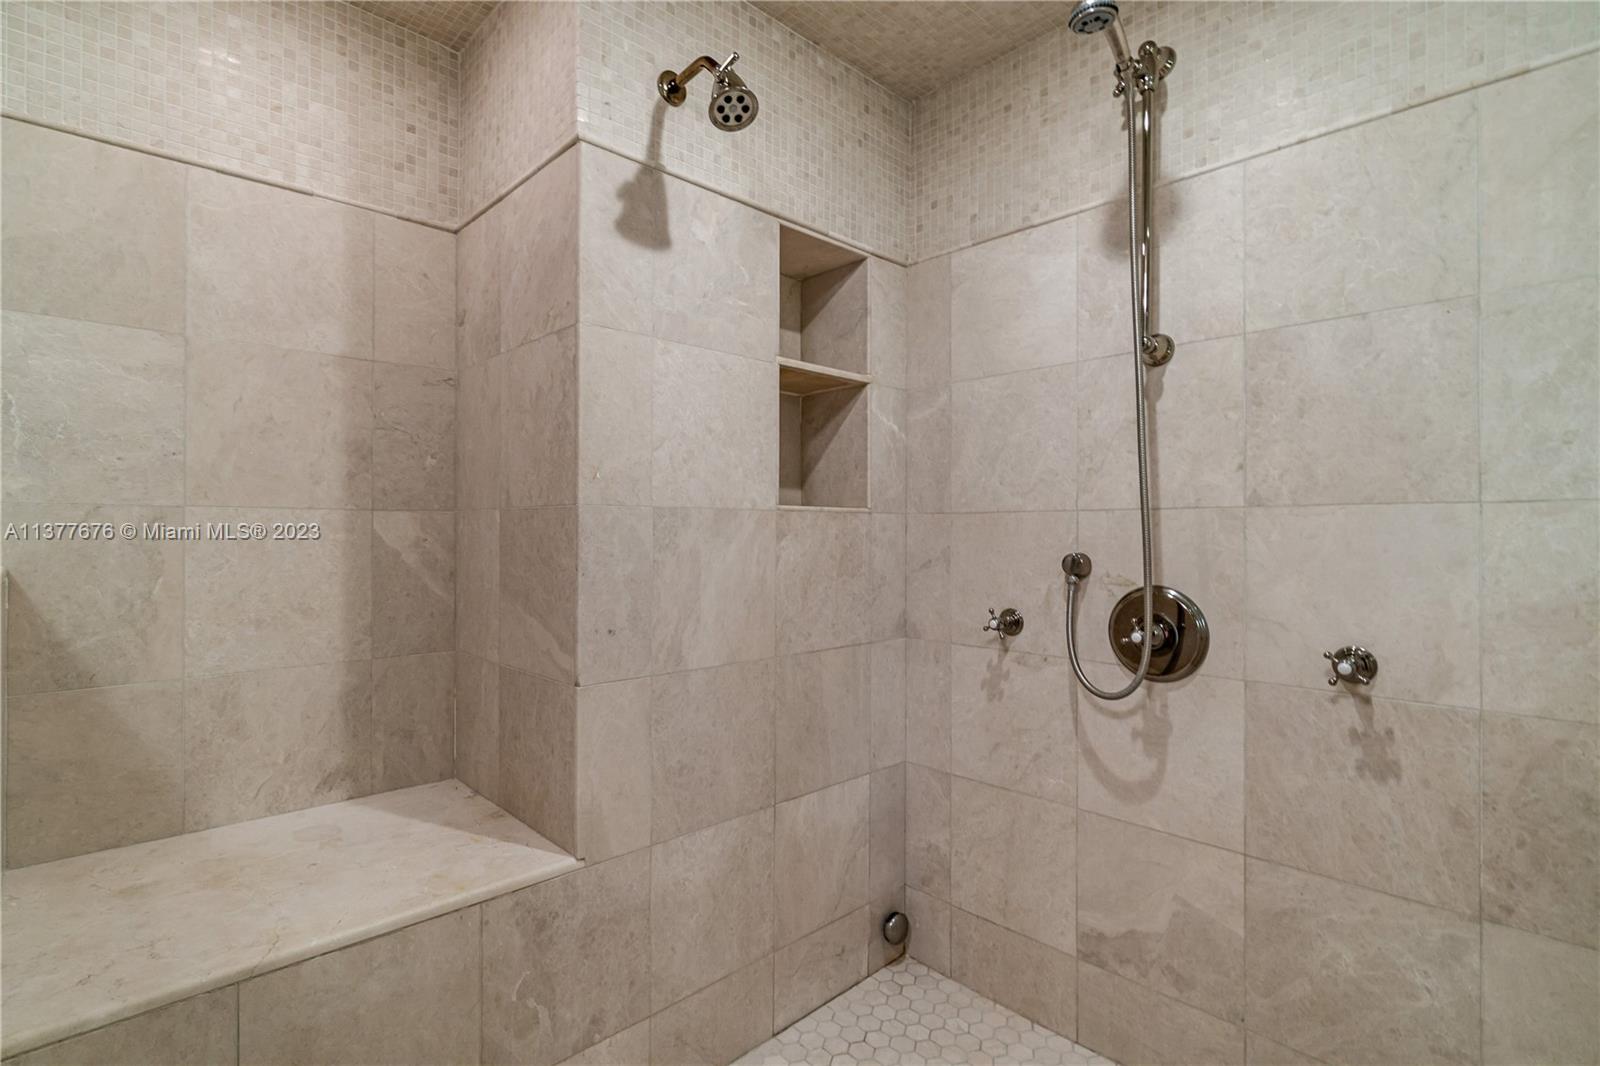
{"type": "Point", "coordinates": [1139, 283]}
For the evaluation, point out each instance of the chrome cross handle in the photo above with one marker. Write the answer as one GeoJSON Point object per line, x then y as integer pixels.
{"type": "Point", "coordinates": [1352, 663]}
{"type": "Point", "coordinates": [1008, 623]}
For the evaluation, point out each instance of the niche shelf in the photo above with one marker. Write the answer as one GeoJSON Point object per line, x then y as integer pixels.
{"type": "Point", "coordinates": [822, 374]}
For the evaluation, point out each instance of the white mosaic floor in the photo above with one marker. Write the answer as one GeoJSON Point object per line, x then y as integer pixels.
{"type": "Point", "coordinates": [908, 1015]}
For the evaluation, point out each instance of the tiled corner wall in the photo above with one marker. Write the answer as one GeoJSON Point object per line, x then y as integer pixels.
{"type": "Point", "coordinates": [1380, 427]}
{"type": "Point", "coordinates": [1036, 134]}
{"type": "Point", "coordinates": [318, 96]}
{"type": "Point", "coordinates": [157, 686]}
{"type": "Point", "coordinates": [831, 148]}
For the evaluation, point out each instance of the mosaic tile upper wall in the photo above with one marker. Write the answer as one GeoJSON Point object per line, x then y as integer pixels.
{"type": "Point", "coordinates": [832, 148]}
{"type": "Point", "coordinates": [319, 96]}
{"type": "Point", "coordinates": [1036, 134]}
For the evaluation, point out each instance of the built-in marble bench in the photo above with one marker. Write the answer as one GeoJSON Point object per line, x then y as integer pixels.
{"type": "Point", "coordinates": [97, 938]}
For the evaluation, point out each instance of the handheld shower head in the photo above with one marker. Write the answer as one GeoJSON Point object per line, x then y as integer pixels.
{"type": "Point", "coordinates": [733, 106]}
{"type": "Point", "coordinates": [1100, 16]}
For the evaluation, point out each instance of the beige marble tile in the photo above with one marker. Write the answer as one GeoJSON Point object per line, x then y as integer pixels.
{"type": "Point", "coordinates": [627, 1048]}
{"type": "Point", "coordinates": [823, 726]}
{"type": "Point", "coordinates": [539, 422]}
{"type": "Point", "coordinates": [716, 442]}
{"type": "Point", "coordinates": [413, 720]}
{"type": "Point", "coordinates": [711, 747]}
{"type": "Point", "coordinates": [1133, 1025]}
{"type": "Point", "coordinates": [539, 591]}
{"type": "Point", "coordinates": [928, 449]}
{"type": "Point", "coordinates": [478, 288]}
{"type": "Point", "coordinates": [886, 550]}
{"type": "Point", "coordinates": [614, 611]}
{"type": "Point", "coordinates": [886, 321]}
{"type": "Point", "coordinates": [66, 919]}
{"type": "Point", "coordinates": [833, 318]}
{"type": "Point", "coordinates": [1199, 552]}
{"type": "Point", "coordinates": [94, 413]}
{"type": "Point", "coordinates": [273, 741]}
{"type": "Point", "coordinates": [1404, 383]}
{"type": "Point", "coordinates": [1013, 861]}
{"type": "Point", "coordinates": [1198, 281]}
{"type": "Point", "coordinates": [1319, 211]}
{"type": "Point", "coordinates": [820, 860]}
{"type": "Point", "coordinates": [1020, 974]}
{"type": "Point", "coordinates": [1013, 302]}
{"type": "Point", "coordinates": [817, 967]}
{"type": "Point", "coordinates": [887, 448]}
{"type": "Point", "coordinates": [1540, 394]}
{"type": "Point", "coordinates": [1541, 827]}
{"type": "Point", "coordinates": [621, 235]}
{"type": "Point", "coordinates": [200, 1031]}
{"type": "Point", "coordinates": [716, 1024]}
{"type": "Point", "coordinates": [613, 768]}
{"type": "Point", "coordinates": [616, 432]}
{"type": "Point", "coordinates": [276, 268]}
{"type": "Point", "coordinates": [886, 697]}
{"type": "Point", "coordinates": [1011, 721]}
{"type": "Point", "coordinates": [92, 769]}
{"type": "Point", "coordinates": [86, 614]}
{"type": "Point", "coordinates": [413, 582]}
{"type": "Point", "coordinates": [711, 905]}
{"type": "Point", "coordinates": [251, 605]}
{"type": "Point", "coordinates": [538, 746]}
{"type": "Point", "coordinates": [478, 583]}
{"type": "Point", "coordinates": [1196, 429]}
{"type": "Point", "coordinates": [1168, 758]}
{"type": "Point", "coordinates": [1259, 1051]}
{"type": "Point", "coordinates": [538, 254]}
{"type": "Point", "coordinates": [270, 427]}
{"type": "Point", "coordinates": [823, 586]}
{"type": "Point", "coordinates": [1013, 442]}
{"type": "Point", "coordinates": [562, 962]}
{"type": "Point", "coordinates": [1412, 597]}
{"type": "Point", "coordinates": [1010, 560]}
{"type": "Point", "coordinates": [836, 455]}
{"type": "Point", "coordinates": [1352, 975]}
{"type": "Point", "coordinates": [413, 437]}
{"type": "Point", "coordinates": [1538, 189]}
{"type": "Point", "coordinates": [414, 293]}
{"type": "Point", "coordinates": [478, 444]}
{"type": "Point", "coordinates": [717, 289]}
{"type": "Point", "coordinates": [1374, 792]}
{"type": "Point", "coordinates": [928, 323]}
{"type": "Point", "coordinates": [1538, 1000]}
{"type": "Point", "coordinates": [409, 997]}
{"type": "Point", "coordinates": [789, 345]}
{"type": "Point", "coordinates": [928, 831]}
{"type": "Point", "coordinates": [477, 725]}
{"type": "Point", "coordinates": [886, 844]}
{"type": "Point", "coordinates": [92, 232]}
{"type": "Point", "coordinates": [1541, 609]}
{"type": "Point", "coordinates": [928, 704]}
{"type": "Point", "coordinates": [714, 587]}
{"type": "Point", "coordinates": [1164, 912]}
{"type": "Point", "coordinates": [930, 930]}
{"type": "Point", "coordinates": [928, 576]}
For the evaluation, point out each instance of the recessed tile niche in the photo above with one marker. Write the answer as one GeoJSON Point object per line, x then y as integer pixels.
{"type": "Point", "coordinates": [822, 373]}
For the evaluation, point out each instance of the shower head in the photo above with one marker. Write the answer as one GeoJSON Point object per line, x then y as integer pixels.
{"type": "Point", "coordinates": [1097, 16]}
{"type": "Point", "coordinates": [733, 106]}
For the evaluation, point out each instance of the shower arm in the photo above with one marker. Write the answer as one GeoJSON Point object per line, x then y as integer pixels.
{"type": "Point", "coordinates": [671, 86]}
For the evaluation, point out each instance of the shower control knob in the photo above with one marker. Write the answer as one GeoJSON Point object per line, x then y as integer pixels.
{"type": "Point", "coordinates": [1008, 623]}
{"type": "Point", "coordinates": [1352, 663]}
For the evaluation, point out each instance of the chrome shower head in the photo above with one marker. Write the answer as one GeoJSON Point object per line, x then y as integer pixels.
{"type": "Point", "coordinates": [1096, 16]}
{"type": "Point", "coordinates": [733, 106]}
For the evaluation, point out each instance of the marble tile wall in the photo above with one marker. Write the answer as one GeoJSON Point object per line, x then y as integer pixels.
{"type": "Point", "coordinates": [187, 347]}
{"type": "Point", "coordinates": [319, 96]}
{"type": "Point", "coordinates": [707, 690]}
{"type": "Point", "coordinates": [1370, 434]}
